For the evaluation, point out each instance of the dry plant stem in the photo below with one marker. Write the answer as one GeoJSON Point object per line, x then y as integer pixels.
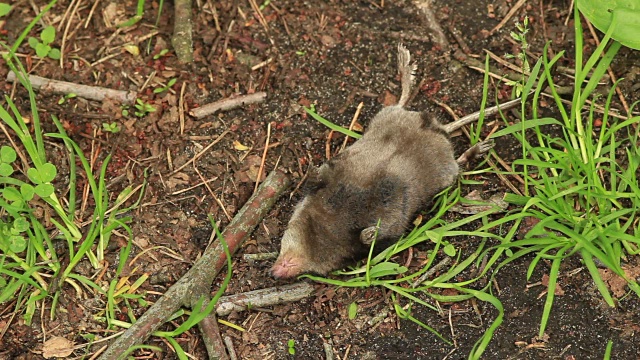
{"type": "Point", "coordinates": [181, 107]}
{"type": "Point", "coordinates": [353, 123]}
{"type": "Point", "coordinates": [446, 261]}
{"type": "Point", "coordinates": [211, 336]}
{"type": "Point", "coordinates": [229, 343]}
{"type": "Point", "coordinates": [510, 14]}
{"type": "Point", "coordinates": [217, 140]}
{"type": "Point", "coordinates": [490, 111]}
{"type": "Point", "coordinates": [437, 35]}
{"type": "Point", "coordinates": [263, 297]}
{"type": "Point", "coordinates": [83, 91]}
{"type": "Point", "coordinates": [182, 39]}
{"type": "Point", "coordinates": [228, 104]}
{"type": "Point", "coordinates": [197, 281]}
{"type": "Point", "coordinates": [264, 157]}
{"type": "Point", "coordinates": [328, 351]}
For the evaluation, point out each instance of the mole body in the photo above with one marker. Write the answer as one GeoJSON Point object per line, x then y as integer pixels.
{"type": "Point", "coordinates": [403, 159]}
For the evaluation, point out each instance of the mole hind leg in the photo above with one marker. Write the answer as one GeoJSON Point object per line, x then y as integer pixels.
{"type": "Point", "coordinates": [380, 235]}
{"type": "Point", "coordinates": [406, 70]}
{"type": "Point", "coordinates": [475, 151]}
{"type": "Point", "coordinates": [368, 235]}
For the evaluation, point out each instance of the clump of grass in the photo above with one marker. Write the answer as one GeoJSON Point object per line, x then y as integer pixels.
{"type": "Point", "coordinates": [580, 187]}
{"type": "Point", "coordinates": [28, 255]}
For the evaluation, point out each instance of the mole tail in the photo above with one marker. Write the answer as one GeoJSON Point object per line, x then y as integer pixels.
{"type": "Point", "coordinates": [406, 70]}
{"type": "Point", "coordinates": [475, 152]}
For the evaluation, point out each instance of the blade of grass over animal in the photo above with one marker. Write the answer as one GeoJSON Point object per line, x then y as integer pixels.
{"type": "Point", "coordinates": [368, 264]}
{"type": "Point", "coordinates": [331, 125]}
{"type": "Point", "coordinates": [481, 345]}
{"type": "Point", "coordinates": [551, 289]}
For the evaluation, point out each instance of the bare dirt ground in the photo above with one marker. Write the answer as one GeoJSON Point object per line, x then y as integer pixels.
{"type": "Point", "coordinates": [334, 54]}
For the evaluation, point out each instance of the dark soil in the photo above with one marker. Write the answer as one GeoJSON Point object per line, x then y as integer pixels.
{"type": "Point", "coordinates": [334, 54]}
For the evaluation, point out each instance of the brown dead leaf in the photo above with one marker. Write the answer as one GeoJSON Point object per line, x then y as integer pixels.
{"type": "Point", "coordinates": [545, 282]}
{"type": "Point", "coordinates": [177, 179]}
{"type": "Point", "coordinates": [388, 98]}
{"type": "Point", "coordinates": [250, 169]}
{"type": "Point", "coordinates": [526, 225]}
{"type": "Point", "coordinates": [57, 347]}
{"type": "Point", "coordinates": [328, 41]}
{"type": "Point", "coordinates": [617, 284]}
{"type": "Point", "coordinates": [239, 146]}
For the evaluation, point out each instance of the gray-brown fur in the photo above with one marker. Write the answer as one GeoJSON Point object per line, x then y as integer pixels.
{"type": "Point", "coordinates": [401, 162]}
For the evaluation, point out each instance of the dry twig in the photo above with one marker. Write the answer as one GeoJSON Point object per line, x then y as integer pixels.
{"type": "Point", "coordinates": [263, 297]}
{"type": "Point", "coordinates": [83, 91]}
{"type": "Point", "coordinates": [182, 39]}
{"type": "Point", "coordinates": [228, 104]}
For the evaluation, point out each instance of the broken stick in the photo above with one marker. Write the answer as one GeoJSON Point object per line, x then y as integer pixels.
{"type": "Point", "coordinates": [263, 297]}
{"type": "Point", "coordinates": [197, 281]}
{"type": "Point", "coordinates": [228, 104]}
{"type": "Point", "coordinates": [83, 91]}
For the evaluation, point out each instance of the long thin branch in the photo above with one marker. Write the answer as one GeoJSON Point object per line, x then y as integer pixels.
{"type": "Point", "coordinates": [263, 297]}
{"type": "Point", "coordinates": [83, 91]}
{"type": "Point", "coordinates": [182, 39]}
{"type": "Point", "coordinates": [197, 281]}
{"type": "Point", "coordinates": [227, 104]}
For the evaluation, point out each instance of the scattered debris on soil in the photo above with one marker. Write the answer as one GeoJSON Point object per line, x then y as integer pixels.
{"type": "Point", "coordinates": [257, 66]}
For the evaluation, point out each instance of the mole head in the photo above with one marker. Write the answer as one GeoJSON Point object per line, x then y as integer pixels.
{"type": "Point", "coordinates": [294, 257]}
{"type": "Point", "coordinates": [312, 243]}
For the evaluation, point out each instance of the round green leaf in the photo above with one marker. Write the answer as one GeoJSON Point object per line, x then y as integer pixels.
{"type": "Point", "coordinates": [353, 310]}
{"type": "Point", "coordinates": [42, 50]}
{"type": "Point", "coordinates": [33, 42]}
{"type": "Point", "coordinates": [17, 244]}
{"type": "Point", "coordinates": [27, 191]}
{"type": "Point", "coordinates": [11, 194]}
{"type": "Point", "coordinates": [54, 54]}
{"type": "Point", "coordinates": [6, 169]}
{"type": "Point", "coordinates": [44, 190]}
{"type": "Point", "coordinates": [48, 172]}
{"type": "Point", "coordinates": [7, 154]}
{"type": "Point", "coordinates": [48, 35]}
{"type": "Point", "coordinates": [449, 250]}
{"type": "Point", "coordinates": [4, 10]}
{"type": "Point", "coordinates": [601, 13]}
{"type": "Point", "coordinates": [21, 224]}
{"type": "Point", "coordinates": [34, 175]}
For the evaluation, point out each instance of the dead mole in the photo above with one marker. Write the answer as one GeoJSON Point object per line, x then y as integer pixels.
{"type": "Point", "coordinates": [403, 159]}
